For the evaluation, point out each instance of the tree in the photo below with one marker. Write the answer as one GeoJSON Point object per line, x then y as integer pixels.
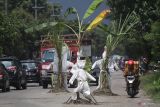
{"type": "Point", "coordinates": [148, 12]}
{"type": "Point", "coordinates": [116, 31]}
{"type": "Point", "coordinates": [82, 29]}
{"type": "Point", "coordinates": [153, 38]}
{"type": "Point", "coordinates": [9, 33]}
{"type": "Point", "coordinates": [14, 41]}
{"type": "Point", "coordinates": [58, 44]}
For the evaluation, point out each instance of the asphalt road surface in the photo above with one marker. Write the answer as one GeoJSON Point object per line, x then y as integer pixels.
{"type": "Point", "coordinates": [35, 96]}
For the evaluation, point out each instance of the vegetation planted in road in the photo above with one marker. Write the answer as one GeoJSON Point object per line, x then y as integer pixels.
{"type": "Point", "coordinates": [151, 85]}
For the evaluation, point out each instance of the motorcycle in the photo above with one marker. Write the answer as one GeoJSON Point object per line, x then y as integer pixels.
{"type": "Point", "coordinates": [132, 88]}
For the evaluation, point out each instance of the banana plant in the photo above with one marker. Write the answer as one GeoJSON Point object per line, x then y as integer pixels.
{"type": "Point", "coordinates": [116, 32]}
{"type": "Point", "coordinates": [82, 29]}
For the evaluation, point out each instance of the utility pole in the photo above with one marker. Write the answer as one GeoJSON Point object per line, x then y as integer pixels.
{"type": "Point", "coordinates": [6, 7]}
{"type": "Point", "coordinates": [36, 9]}
{"type": "Point", "coordinates": [56, 10]}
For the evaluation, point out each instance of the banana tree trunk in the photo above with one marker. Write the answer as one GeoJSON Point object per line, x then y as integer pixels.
{"type": "Point", "coordinates": [59, 83]}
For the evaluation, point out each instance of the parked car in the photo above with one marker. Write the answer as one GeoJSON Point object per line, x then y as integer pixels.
{"type": "Point", "coordinates": [4, 79]}
{"type": "Point", "coordinates": [17, 75]}
{"type": "Point", "coordinates": [32, 72]}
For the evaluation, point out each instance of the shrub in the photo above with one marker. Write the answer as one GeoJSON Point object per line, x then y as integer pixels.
{"type": "Point", "coordinates": [151, 85]}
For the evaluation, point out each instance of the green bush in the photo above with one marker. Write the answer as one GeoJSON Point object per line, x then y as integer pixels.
{"type": "Point", "coordinates": [151, 85]}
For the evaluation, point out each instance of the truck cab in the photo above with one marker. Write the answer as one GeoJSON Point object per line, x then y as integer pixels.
{"type": "Point", "coordinates": [48, 57]}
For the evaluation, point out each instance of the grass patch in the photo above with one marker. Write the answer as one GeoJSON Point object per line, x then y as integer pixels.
{"type": "Point", "coordinates": [151, 85]}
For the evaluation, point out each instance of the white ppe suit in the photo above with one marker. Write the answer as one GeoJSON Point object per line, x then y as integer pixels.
{"type": "Point", "coordinates": [65, 73]}
{"type": "Point", "coordinates": [83, 87]}
{"type": "Point", "coordinates": [99, 64]}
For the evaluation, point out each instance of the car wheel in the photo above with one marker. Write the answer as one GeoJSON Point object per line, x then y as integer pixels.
{"type": "Point", "coordinates": [18, 85]}
{"type": "Point", "coordinates": [4, 88]}
{"type": "Point", "coordinates": [45, 85]}
{"type": "Point", "coordinates": [24, 85]}
{"type": "Point", "coordinates": [8, 86]}
{"type": "Point", "coordinates": [8, 89]}
{"type": "Point", "coordinates": [40, 82]}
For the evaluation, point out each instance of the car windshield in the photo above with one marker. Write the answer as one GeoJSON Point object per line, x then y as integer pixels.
{"type": "Point", "coordinates": [29, 64]}
{"type": "Point", "coordinates": [48, 56]}
{"type": "Point", "coordinates": [7, 63]}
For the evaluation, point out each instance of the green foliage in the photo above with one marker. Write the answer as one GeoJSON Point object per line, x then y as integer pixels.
{"type": "Point", "coordinates": [88, 65]}
{"type": "Point", "coordinates": [153, 38]}
{"type": "Point", "coordinates": [13, 39]}
{"type": "Point", "coordinates": [40, 27]}
{"type": "Point", "coordinates": [92, 8]}
{"type": "Point", "coordinates": [118, 30]}
{"type": "Point", "coordinates": [148, 12]}
{"type": "Point", "coordinates": [151, 84]}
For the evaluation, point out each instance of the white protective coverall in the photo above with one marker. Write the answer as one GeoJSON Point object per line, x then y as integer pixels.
{"type": "Point", "coordinates": [81, 75]}
{"type": "Point", "coordinates": [83, 87]}
{"type": "Point", "coordinates": [99, 64]}
{"type": "Point", "coordinates": [65, 73]}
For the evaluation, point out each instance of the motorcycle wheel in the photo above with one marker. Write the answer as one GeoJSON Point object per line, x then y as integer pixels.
{"type": "Point", "coordinates": [131, 93]}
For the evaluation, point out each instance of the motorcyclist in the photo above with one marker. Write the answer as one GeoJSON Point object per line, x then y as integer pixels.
{"type": "Point", "coordinates": [132, 68]}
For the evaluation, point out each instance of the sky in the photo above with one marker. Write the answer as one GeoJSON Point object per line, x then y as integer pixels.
{"type": "Point", "coordinates": [81, 6]}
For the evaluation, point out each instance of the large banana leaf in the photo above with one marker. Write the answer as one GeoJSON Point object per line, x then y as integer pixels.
{"type": "Point", "coordinates": [92, 8]}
